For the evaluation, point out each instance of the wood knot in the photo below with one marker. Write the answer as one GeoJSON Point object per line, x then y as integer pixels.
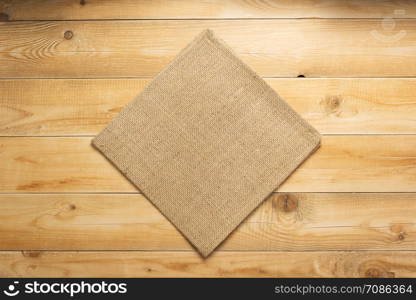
{"type": "Point", "coordinates": [373, 273]}
{"type": "Point", "coordinates": [82, 2]}
{"type": "Point", "coordinates": [301, 76]}
{"type": "Point", "coordinates": [377, 273]}
{"type": "Point", "coordinates": [72, 207]}
{"type": "Point", "coordinates": [32, 254]}
{"type": "Point", "coordinates": [398, 229]}
{"type": "Point", "coordinates": [68, 34]}
{"type": "Point", "coordinates": [287, 203]}
{"type": "Point", "coordinates": [331, 104]}
{"type": "Point", "coordinates": [4, 17]}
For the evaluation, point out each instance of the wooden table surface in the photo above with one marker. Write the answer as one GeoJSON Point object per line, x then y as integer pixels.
{"type": "Point", "coordinates": [67, 67]}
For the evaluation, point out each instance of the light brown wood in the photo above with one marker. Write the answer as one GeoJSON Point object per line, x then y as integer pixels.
{"type": "Point", "coordinates": [220, 264]}
{"type": "Point", "coordinates": [63, 107]}
{"type": "Point", "coordinates": [84, 106]}
{"type": "Point", "coordinates": [160, 9]}
{"type": "Point", "coordinates": [58, 195]}
{"type": "Point", "coordinates": [374, 163]}
{"type": "Point", "coordinates": [273, 48]}
{"type": "Point", "coordinates": [294, 222]}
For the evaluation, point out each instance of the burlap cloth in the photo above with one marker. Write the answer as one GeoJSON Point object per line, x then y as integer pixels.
{"type": "Point", "coordinates": [207, 141]}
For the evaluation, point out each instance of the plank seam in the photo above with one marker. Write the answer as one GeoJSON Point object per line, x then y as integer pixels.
{"type": "Point", "coordinates": [200, 19]}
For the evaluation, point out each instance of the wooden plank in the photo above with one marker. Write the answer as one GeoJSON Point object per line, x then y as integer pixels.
{"type": "Point", "coordinates": [273, 48]}
{"type": "Point", "coordinates": [84, 106]}
{"type": "Point", "coordinates": [63, 107]}
{"type": "Point", "coordinates": [160, 9]}
{"type": "Point", "coordinates": [220, 264]}
{"type": "Point", "coordinates": [294, 222]}
{"type": "Point", "coordinates": [373, 163]}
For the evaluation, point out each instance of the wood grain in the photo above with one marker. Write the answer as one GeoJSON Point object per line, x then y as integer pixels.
{"type": "Point", "coordinates": [220, 264]}
{"type": "Point", "coordinates": [177, 9]}
{"type": "Point", "coordinates": [373, 163]}
{"type": "Point", "coordinates": [84, 106]}
{"type": "Point", "coordinates": [348, 211]}
{"type": "Point", "coordinates": [291, 222]}
{"type": "Point", "coordinates": [273, 48]}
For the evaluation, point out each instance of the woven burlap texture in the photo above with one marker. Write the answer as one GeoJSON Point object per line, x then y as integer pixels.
{"type": "Point", "coordinates": [207, 141]}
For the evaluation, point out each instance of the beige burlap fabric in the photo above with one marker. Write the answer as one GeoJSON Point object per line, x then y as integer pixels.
{"type": "Point", "coordinates": [207, 141]}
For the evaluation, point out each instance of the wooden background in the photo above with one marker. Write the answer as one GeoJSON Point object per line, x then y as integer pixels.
{"type": "Point", "coordinates": [67, 67]}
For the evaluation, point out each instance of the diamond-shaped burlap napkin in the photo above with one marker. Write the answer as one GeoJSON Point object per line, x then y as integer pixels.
{"type": "Point", "coordinates": [207, 141]}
